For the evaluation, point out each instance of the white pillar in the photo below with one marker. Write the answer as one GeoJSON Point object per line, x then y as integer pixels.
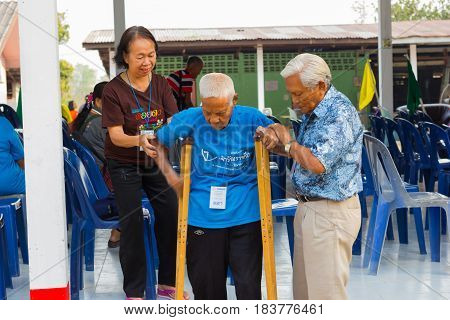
{"type": "Point", "coordinates": [119, 27]}
{"type": "Point", "coordinates": [413, 58]}
{"type": "Point", "coordinates": [385, 57]}
{"type": "Point", "coordinates": [44, 175]}
{"type": "Point", "coordinates": [260, 74]}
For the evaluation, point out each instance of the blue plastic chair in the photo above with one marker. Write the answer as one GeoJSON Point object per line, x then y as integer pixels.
{"type": "Point", "coordinates": [439, 144]}
{"type": "Point", "coordinates": [392, 194]}
{"type": "Point", "coordinates": [368, 190]}
{"type": "Point", "coordinates": [82, 199]}
{"type": "Point", "coordinates": [13, 209]}
{"type": "Point", "coordinates": [286, 208]}
{"type": "Point", "coordinates": [5, 276]}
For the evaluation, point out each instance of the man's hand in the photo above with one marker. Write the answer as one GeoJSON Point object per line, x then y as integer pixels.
{"type": "Point", "coordinates": [268, 136]}
{"type": "Point", "coordinates": [281, 132]}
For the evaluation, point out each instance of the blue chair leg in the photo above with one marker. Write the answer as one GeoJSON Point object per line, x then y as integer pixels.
{"type": "Point", "coordinates": [290, 232]}
{"type": "Point", "coordinates": [363, 204]}
{"type": "Point", "coordinates": [150, 291]}
{"type": "Point", "coordinates": [89, 246]}
{"type": "Point", "coordinates": [10, 229]}
{"type": "Point", "coordinates": [81, 254]}
{"type": "Point", "coordinates": [390, 230]}
{"type": "Point", "coordinates": [435, 234]}
{"type": "Point", "coordinates": [381, 222]}
{"type": "Point", "coordinates": [230, 276]}
{"type": "Point", "coordinates": [22, 231]}
{"type": "Point", "coordinates": [356, 248]}
{"type": "Point", "coordinates": [402, 225]}
{"type": "Point", "coordinates": [75, 260]}
{"type": "Point", "coordinates": [417, 212]}
{"type": "Point", "coordinates": [5, 275]}
{"type": "Point", "coordinates": [370, 232]}
{"type": "Point", "coordinates": [443, 188]}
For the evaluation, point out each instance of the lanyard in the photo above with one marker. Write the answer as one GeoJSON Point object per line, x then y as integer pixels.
{"type": "Point", "coordinates": [147, 119]}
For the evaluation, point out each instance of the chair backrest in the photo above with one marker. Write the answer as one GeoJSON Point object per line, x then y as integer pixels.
{"type": "Point", "coordinates": [367, 171]}
{"type": "Point", "coordinates": [378, 127]}
{"type": "Point", "coordinates": [273, 118]}
{"type": "Point", "coordinates": [387, 181]}
{"type": "Point", "coordinates": [81, 193]}
{"type": "Point", "coordinates": [413, 142]}
{"type": "Point", "coordinates": [296, 127]}
{"type": "Point", "coordinates": [438, 140]}
{"type": "Point", "coordinates": [393, 130]}
{"type": "Point", "coordinates": [67, 139]}
{"type": "Point", "coordinates": [92, 169]}
{"type": "Point", "coordinates": [10, 114]}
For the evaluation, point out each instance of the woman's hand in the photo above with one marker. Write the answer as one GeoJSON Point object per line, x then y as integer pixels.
{"type": "Point", "coordinates": [151, 146]}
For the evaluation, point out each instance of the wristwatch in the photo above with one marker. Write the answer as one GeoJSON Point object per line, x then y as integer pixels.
{"type": "Point", "coordinates": [287, 146]}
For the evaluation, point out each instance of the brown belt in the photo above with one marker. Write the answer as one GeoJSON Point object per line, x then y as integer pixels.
{"type": "Point", "coordinates": [303, 198]}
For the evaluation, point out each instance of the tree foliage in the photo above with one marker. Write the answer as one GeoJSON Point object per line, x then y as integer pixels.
{"type": "Point", "coordinates": [65, 68]}
{"type": "Point", "coordinates": [83, 82]}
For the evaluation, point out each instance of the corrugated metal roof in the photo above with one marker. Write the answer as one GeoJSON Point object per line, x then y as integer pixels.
{"type": "Point", "coordinates": [7, 11]}
{"type": "Point", "coordinates": [403, 29]}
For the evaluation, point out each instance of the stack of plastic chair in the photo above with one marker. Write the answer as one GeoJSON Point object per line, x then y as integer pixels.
{"type": "Point", "coordinates": [105, 203]}
{"type": "Point", "coordinates": [392, 195]}
{"type": "Point", "coordinates": [439, 144]}
{"type": "Point", "coordinates": [417, 156]}
{"type": "Point", "coordinates": [82, 199]}
{"type": "Point", "coordinates": [13, 210]}
{"type": "Point", "coordinates": [5, 276]}
{"type": "Point", "coordinates": [378, 127]}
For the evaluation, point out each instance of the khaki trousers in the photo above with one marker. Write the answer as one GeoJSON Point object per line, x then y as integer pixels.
{"type": "Point", "coordinates": [324, 234]}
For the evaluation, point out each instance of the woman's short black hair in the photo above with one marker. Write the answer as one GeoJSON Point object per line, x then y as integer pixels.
{"type": "Point", "coordinates": [127, 37]}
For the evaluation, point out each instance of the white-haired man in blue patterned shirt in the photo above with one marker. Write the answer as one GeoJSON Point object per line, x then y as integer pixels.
{"type": "Point", "coordinates": [327, 179]}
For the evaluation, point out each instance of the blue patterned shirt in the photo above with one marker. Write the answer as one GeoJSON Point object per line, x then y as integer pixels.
{"type": "Point", "coordinates": [333, 133]}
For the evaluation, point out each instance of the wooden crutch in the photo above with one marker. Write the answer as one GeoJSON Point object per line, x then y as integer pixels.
{"type": "Point", "coordinates": [183, 206]}
{"type": "Point", "coordinates": [265, 205]}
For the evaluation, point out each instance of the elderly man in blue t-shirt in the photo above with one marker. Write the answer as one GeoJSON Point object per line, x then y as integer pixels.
{"type": "Point", "coordinates": [327, 179]}
{"type": "Point", "coordinates": [227, 232]}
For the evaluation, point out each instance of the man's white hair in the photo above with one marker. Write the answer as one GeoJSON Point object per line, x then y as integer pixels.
{"type": "Point", "coordinates": [216, 85]}
{"type": "Point", "coordinates": [310, 68]}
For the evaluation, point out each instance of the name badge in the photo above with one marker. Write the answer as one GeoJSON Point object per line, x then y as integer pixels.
{"type": "Point", "coordinates": [146, 132]}
{"type": "Point", "coordinates": [218, 198]}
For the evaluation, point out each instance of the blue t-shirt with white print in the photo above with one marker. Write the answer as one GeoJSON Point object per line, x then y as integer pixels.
{"type": "Point", "coordinates": [220, 158]}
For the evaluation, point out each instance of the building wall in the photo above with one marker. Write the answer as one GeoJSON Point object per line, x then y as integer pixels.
{"type": "Point", "coordinates": [346, 68]}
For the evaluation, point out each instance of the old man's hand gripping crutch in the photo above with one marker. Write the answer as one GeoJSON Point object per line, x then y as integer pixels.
{"type": "Point", "coordinates": [265, 205]}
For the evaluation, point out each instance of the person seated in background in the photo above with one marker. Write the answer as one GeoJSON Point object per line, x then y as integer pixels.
{"type": "Point", "coordinates": [182, 82]}
{"type": "Point", "coordinates": [12, 174]}
{"type": "Point", "coordinates": [73, 108]}
{"type": "Point", "coordinates": [224, 227]}
{"type": "Point", "coordinates": [90, 109]}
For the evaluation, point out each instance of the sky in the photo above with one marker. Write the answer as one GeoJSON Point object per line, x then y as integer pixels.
{"type": "Point", "coordinates": [84, 16]}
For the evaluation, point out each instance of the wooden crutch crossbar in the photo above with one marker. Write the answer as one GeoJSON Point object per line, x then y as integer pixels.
{"type": "Point", "coordinates": [183, 206]}
{"type": "Point", "coordinates": [265, 205]}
